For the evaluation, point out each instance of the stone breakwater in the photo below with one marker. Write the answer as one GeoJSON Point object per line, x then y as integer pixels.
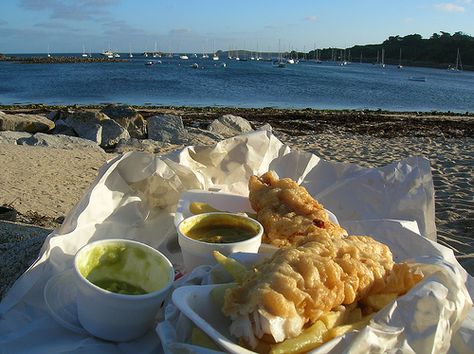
{"type": "Point", "coordinates": [60, 60]}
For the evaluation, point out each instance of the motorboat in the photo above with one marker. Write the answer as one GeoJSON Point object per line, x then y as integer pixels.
{"type": "Point", "coordinates": [290, 61]}
{"type": "Point", "coordinates": [116, 55]}
{"type": "Point", "coordinates": [195, 66]}
{"type": "Point", "coordinates": [108, 53]}
{"type": "Point", "coordinates": [215, 57]}
{"type": "Point", "coordinates": [149, 63]}
{"type": "Point", "coordinates": [183, 57]}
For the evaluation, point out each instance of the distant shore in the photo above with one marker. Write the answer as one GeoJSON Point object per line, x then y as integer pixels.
{"type": "Point", "coordinates": [60, 60]}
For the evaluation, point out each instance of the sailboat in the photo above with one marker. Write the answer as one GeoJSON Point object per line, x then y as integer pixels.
{"type": "Point", "coordinates": [458, 65]}
{"type": "Point", "coordinates": [130, 55]}
{"type": "Point", "coordinates": [382, 64]}
{"type": "Point", "coordinates": [155, 53]}
{"type": "Point", "coordinates": [280, 63]}
{"type": "Point", "coordinates": [400, 66]}
{"type": "Point", "coordinates": [84, 54]}
{"type": "Point", "coordinates": [49, 54]}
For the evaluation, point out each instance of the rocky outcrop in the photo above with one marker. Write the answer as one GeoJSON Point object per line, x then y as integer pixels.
{"type": "Point", "coordinates": [97, 127]}
{"type": "Point", "coordinates": [128, 118]}
{"type": "Point", "coordinates": [11, 137]}
{"type": "Point", "coordinates": [30, 123]}
{"type": "Point", "coordinates": [87, 124]}
{"type": "Point", "coordinates": [62, 128]}
{"type": "Point", "coordinates": [167, 129]}
{"type": "Point", "coordinates": [229, 125]}
{"type": "Point", "coordinates": [112, 133]}
{"type": "Point", "coordinates": [58, 141]}
{"type": "Point", "coordinates": [146, 145]}
{"type": "Point", "coordinates": [196, 136]}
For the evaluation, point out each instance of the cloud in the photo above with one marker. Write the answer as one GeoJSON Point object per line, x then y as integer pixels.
{"type": "Point", "coordinates": [310, 18]}
{"type": "Point", "coordinates": [409, 20]}
{"type": "Point", "coordinates": [78, 10]}
{"type": "Point", "coordinates": [120, 28]}
{"type": "Point", "coordinates": [449, 7]}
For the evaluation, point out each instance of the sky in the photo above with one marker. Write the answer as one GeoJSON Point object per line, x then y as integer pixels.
{"type": "Point", "coordinates": [66, 26]}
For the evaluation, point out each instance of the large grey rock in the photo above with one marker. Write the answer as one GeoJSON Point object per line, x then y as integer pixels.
{"type": "Point", "coordinates": [58, 141]}
{"type": "Point", "coordinates": [112, 133]}
{"type": "Point", "coordinates": [128, 118]}
{"type": "Point", "coordinates": [9, 137]}
{"type": "Point", "coordinates": [198, 136]}
{"type": "Point", "coordinates": [31, 123]}
{"type": "Point", "coordinates": [87, 125]}
{"type": "Point", "coordinates": [63, 129]}
{"type": "Point", "coordinates": [167, 129]}
{"type": "Point", "coordinates": [229, 125]}
{"type": "Point", "coordinates": [145, 145]}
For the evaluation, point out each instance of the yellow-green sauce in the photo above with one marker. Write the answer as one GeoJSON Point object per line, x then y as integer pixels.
{"type": "Point", "coordinates": [221, 232]}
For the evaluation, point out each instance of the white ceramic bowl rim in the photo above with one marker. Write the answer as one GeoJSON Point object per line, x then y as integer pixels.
{"type": "Point", "coordinates": [250, 240]}
{"type": "Point", "coordinates": [126, 296]}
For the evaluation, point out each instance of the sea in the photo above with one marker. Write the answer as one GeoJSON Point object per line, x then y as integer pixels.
{"type": "Point", "coordinates": [172, 81]}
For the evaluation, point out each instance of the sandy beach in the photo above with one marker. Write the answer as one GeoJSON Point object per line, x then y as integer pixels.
{"type": "Point", "coordinates": [43, 184]}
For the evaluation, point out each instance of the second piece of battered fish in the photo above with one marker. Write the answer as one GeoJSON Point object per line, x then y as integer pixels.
{"type": "Point", "coordinates": [287, 211]}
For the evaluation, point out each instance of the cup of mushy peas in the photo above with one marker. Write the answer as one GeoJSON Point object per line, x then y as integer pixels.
{"type": "Point", "coordinates": [227, 233]}
{"type": "Point", "coordinates": [121, 286]}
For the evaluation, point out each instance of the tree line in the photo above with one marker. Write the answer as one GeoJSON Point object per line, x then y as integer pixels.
{"type": "Point", "coordinates": [440, 50]}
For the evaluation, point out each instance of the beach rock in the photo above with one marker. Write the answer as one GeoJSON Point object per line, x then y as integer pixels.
{"type": "Point", "coordinates": [58, 141]}
{"type": "Point", "coordinates": [87, 124]}
{"type": "Point", "coordinates": [266, 127]}
{"type": "Point", "coordinates": [167, 129]}
{"type": "Point", "coordinates": [128, 118]}
{"type": "Point", "coordinates": [197, 136]}
{"type": "Point", "coordinates": [31, 123]}
{"type": "Point", "coordinates": [112, 133]}
{"type": "Point", "coordinates": [62, 128]}
{"type": "Point", "coordinates": [60, 114]}
{"type": "Point", "coordinates": [146, 145]}
{"type": "Point", "coordinates": [229, 125]}
{"type": "Point", "coordinates": [11, 137]}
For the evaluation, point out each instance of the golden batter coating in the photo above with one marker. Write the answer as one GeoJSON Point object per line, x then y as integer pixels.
{"type": "Point", "coordinates": [287, 211]}
{"type": "Point", "coordinates": [300, 283]}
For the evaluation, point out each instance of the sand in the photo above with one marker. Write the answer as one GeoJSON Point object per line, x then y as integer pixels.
{"type": "Point", "coordinates": [44, 183]}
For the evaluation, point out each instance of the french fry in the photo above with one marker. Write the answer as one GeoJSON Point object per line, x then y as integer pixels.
{"type": "Point", "coordinates": [236, 269]}
{"type": "Point", "coordinates": [217, 294]}
{"type": "Point", "coordinates": [333, 318]}
{"type": "Point", "coordinates": [340, 330]}
{"type": "Point", "coordinates": [200, 208]}
{"type": "Point", "coordinates": [198, 337]}
{"type": "Point", "coordinates": [379, 301]}
{"type": "Point", "coordinates": [354, 316]}
{"type": "Point", "coordinates": [312, 337]}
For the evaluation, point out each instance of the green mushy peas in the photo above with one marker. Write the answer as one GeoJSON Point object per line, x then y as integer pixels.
{"type": "Point", "coordinates": [124, 269]}
{"type": "Point", "coordinates": [221, 229]}
{"type": "Point", "coordinates": [119, 287]}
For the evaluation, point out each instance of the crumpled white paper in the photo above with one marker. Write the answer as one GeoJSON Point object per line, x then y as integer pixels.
{"type": "Point", "coordinates": [135, 195]}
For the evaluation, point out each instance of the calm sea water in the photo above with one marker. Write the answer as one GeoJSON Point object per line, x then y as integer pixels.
{"type": "Point", "coordinates": [240, 84]}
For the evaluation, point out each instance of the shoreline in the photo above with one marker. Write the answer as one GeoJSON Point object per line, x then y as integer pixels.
{"type": "Point", "coordinates": [382, 123]}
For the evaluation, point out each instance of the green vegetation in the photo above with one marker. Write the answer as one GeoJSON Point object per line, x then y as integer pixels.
{"type": "Point", "coordinates": [439, 51]}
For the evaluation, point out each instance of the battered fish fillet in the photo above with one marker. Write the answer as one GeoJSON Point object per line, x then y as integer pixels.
{"type": "Point", "coordinates": [287, 211]}
{"type": "Point", "coordinates": [300, 283]}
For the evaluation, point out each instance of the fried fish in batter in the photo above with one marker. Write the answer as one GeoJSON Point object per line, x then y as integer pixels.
{"type": "Point", "coordinates": [287, 211]}
{"type": "Point", "coordinates": [302, 282]}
